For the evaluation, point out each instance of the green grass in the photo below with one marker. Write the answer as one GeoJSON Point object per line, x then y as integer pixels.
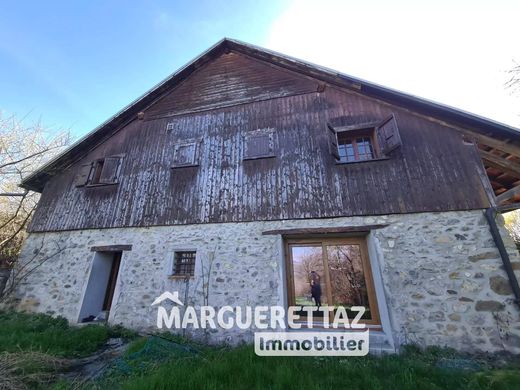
{"type": "Point", "coordinates": [240, 368]}
{"type": "Point", "coordinates": [39, 332]}
{"type": "Point", "coordinates": [146, 365]}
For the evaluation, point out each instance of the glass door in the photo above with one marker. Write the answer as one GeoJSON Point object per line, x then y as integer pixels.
{"type": "Point", "coordinates": [331, 272]}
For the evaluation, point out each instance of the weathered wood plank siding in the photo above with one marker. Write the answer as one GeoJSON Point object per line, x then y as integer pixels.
{"type": "Point", "coordinates": [230, 79]}
{"type": "Point", "coordinates": [432, 171]}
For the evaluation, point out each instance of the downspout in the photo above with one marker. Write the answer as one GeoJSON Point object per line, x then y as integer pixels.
{"type": "Point", "coordinates": [491, 214]}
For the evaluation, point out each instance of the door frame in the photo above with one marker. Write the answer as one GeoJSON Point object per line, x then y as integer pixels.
{"type": "Point", "coordinates": [117, 287]}
{"type": "Point", "coordinates": [375, 320]}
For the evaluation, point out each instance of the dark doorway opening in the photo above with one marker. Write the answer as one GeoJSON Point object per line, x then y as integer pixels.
{"type": "Point", "coordinates": [101, 287]}
{"type": "Point", "coordinates": [112, 279]}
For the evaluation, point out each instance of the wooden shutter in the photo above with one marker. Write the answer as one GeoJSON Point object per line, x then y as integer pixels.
{"type": "Point", "coordinates": [388, 135]}
{"type": "Point", "coordinates": [333, 142]}
{"type": "Point", "coordinates": [258, 144]}
{"type": "Point", "coordinates": [185, 154]}
{"type": "Point", "coordinates": [83, 175]}
{"type": "Point", "coordinates": [110, 170]}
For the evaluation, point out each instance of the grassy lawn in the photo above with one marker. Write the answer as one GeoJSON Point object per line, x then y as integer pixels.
{"type": "Point", "coordinates": [240, 368]}
{"type": "Point", "coordinates": [34, 349]}
{"type": "Point", "coordinates": [53, 336]}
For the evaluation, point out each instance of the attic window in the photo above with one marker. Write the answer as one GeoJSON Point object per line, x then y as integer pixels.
{"type": "Point", "coordinates": [104, 171]}
{"type": "Point", "coordinates": [185, 155]}
{"type": "Point", "coordinates": [364, 142]}
{"type": "Point", "coordinates": [359, 147]}
{"type": "Point", "coordinates": [259, 144]}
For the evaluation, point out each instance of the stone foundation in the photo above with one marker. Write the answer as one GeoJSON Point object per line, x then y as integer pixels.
{"type": "Point", "coordinates": [440, 275]}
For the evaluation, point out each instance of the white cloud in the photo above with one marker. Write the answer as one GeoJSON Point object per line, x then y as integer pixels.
{"type": "Point", "coordinates": [454, 54]}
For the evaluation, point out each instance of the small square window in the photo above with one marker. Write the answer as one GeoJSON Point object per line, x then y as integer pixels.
{"type": "Point", "coordinates": [259, 144]}
{"type": "Point", "coordinates": [185, 155]}
{"type": "Point", "coordinates": [184, 263]}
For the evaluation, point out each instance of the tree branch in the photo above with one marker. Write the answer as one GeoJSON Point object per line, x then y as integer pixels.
{"type": "Point", "coordinates": [10, 163]}
{"type": "Point", "coordinates": [15, 213]}
{"type": "Point", "coordinates": [19, 229]}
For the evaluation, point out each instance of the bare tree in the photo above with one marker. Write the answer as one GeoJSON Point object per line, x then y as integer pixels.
{"type": "Point", "coordinates": [514, 79]}
{"type": "Point", "coordinates": [310, 261]}
{"type": "Point", "coordinates": [23, 148]}
{"type": "Point", "coordinates": [20, 272]}
{"type": "Point", "coordinates": [346, 275]}
{"type": "Point", "coordinates": [512, 224]}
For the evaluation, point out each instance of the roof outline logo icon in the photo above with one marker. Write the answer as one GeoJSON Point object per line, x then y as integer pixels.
{"type": "Point", "coordinates": [174, 297]}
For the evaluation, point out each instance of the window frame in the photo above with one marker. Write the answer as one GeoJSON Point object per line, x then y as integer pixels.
{"type": "Point", "coordinates": [352, 133]}
{"type": "Point", "coordinates": [187, 143]}
{"type": "Point", "coordinates": [267, 132]}
{"type": "Point", "coordinates": [173, 271]}
{"type": "Point", "coordinates": [375, 320]}
{"type": "Point", "coordinates": [96, 170]}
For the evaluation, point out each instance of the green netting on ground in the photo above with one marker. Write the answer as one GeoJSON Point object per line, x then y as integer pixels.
{"type": "Point", "coordinates": [459, 364]}
{"type": "Point", "coordinates": [156, 350]}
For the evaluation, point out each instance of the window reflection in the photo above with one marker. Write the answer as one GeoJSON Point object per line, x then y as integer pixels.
{"type": "Point", "coordinates": [355, 148]}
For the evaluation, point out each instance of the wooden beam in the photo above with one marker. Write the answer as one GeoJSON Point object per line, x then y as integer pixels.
{"type": "Point", "coordinates": [495, 184]}
{"type": "Point", "coordinates": [493, 143]}
{"type": "Point", "coordinates": [505, 196]}
{"type": "Point", "coordinates": [327, 230]}
{"type": "Point", "coordinates": [507, 166]}
{"type": "Point", "coordinates": [111, 248]}
{"type": "Point", "coordinates": [13, 194]}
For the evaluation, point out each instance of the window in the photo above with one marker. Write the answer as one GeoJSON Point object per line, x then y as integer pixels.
{"type": "Point", "coordinates": [185, 155]}
{"type": "Point", "coordinates": [98, 168]}
{"type": "Point", "coordinates": [331, 272]}
{"type": "Point", "coordinates": [356, 147]}
{"type": "Point", "coordinates": [103, 171]}
{"type": "Point", "coordinates": [364, 142]}
{"type": "Point", "coordinates": [184, 263]}
{"type": "Point", "coordinates": [259, 144]}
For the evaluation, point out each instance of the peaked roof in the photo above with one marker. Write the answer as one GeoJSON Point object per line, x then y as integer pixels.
{"type": "Point", "coordinates": [37, 180]}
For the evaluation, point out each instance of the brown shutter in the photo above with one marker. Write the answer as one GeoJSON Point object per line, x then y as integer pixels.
{"type": "Point", "coordinates": [110, 169]}
{"type": "Point", "coordinates": [83, 175]}
{"type": "Point", "coordinates": [185, 154]}
{"type": "Point", "coordinates": [333, 142]}
{"type": "Point", "coordinates": [258, 145]}
{"type": "Point", "coordinates": [388, 135]}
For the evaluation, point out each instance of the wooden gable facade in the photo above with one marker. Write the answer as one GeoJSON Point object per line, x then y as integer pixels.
{"type": "Point", "coordinates": [182, 154]}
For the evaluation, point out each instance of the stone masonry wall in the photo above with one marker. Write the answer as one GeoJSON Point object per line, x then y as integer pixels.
{"type": "Point", "coordinates": [442, 275]}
